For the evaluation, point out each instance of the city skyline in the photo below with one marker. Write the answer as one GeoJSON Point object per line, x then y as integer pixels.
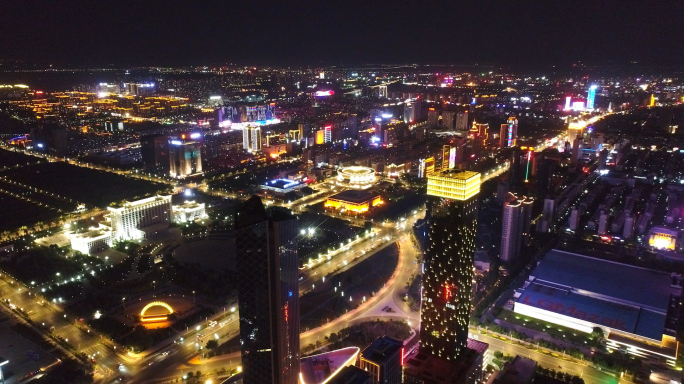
{"type": "Point", "coordinates": [341, 193]}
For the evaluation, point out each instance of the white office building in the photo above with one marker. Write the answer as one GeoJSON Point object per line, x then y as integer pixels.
{"type": "Point", "coordinates": [94, 240]}
{"type": "Point", "coordinates": [251, 139]}
{"type": "Point", "coordinates": [188, 211]}
{"type": "Point", "coordinates": [141, 219]}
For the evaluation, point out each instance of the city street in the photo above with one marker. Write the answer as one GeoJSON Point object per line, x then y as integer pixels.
{"type": "Point", "coordinates": [590, 375]}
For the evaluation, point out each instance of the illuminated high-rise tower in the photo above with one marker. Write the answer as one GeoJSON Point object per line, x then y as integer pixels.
{"type": "Point", "coordinates": [268, 294]}
{"type": "Point", "coordinates": [185, 158]}
{"type": "Point", "coordinates": [515, 228]}
{"type": "Point", "coordinates": [448, 270]}
{"type": "Point", "coordinates": [591, 95]}
{"type": "Point", "coordinates": [508, 135]}
{"type": "Point", "coordinates": [251, 139]}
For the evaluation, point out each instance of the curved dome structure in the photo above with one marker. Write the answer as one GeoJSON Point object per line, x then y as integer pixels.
{"type": "Point", "coordinates": [147, 318]}
{"type": "Point", "coordinates": [356, 177]}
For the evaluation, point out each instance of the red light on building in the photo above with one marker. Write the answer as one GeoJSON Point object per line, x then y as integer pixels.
{"type": "Point", "coordinates": [402, 356]}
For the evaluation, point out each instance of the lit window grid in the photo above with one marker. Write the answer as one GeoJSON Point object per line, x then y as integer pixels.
{"type": "Point", "coordinates": [453, 188]}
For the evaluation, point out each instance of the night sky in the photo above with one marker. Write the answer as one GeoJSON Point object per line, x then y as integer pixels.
{"type": "Point", "coordinates": [322, 32]}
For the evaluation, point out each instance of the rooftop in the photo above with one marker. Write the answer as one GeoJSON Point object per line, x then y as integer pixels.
{"type": "Point", "coordinates": [606, 280]}
{"type": "Point", "coordinates": [282, 183]}
{"type": "Point", "coordinates": [190, 204]}
{"type": "Point", "coordinates": [460, 175]}
{"type": "Point", "coordinates": [130, 204]}
{"type": "Point", "coordinates": [354, 196]}
{"type": "Point", "coordinates": [665, 231]}
{"type": "Point", "coordinates": [520, 370]}
{"type": "Point", "coordinates": [317, 369]}
{"type": "Point", "coordinates": [351, 375]}
{"type": "Point", "coordinates": [21, 356]}
{"type": "Point", "coordinates": [436, 370]}
{"type": "Point", "coordinates": [382, 349]}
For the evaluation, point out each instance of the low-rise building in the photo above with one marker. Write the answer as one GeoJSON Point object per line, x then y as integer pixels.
{"type": "Point", "coordinates": [662, 238]}
{"type": "Point", "coordinates": [351, 375]}
{"type": "Point", "coordinates": [351, 200]}
{"type": "Point", "coordinates": [91, 241]}
{"type": "Point", "coordinates": [482, 262]}
{"type": "Point", "coordinates": [189, 211]}
{"type": "Point", "coordinates": [280, 187]}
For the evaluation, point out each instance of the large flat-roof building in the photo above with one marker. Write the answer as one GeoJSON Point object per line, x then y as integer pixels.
{"type": "Point", "coordinates": [322, 368]}
{"type": "Point", "coordinates": [352, 200]}
{"type": "Point", "coordinates": [189, 211]}
{"type": "Point", "coordinates": [637, 307]}
{"type": "Point", "coordinates": [91, 241]}
{"type": "Point", "coordinates": [141, 219]}
{"type": "Point", "coordinates": [280, 187]}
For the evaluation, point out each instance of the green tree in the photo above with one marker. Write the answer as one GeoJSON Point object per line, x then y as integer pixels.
{"type": "Point", "coordinates": [597, 333]}
{"type": "Point", "coordinates": [212, 344]}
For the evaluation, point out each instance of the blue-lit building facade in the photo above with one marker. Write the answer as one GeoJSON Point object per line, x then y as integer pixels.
{"type": "Point", "coordinates": [591, 96]}
{"type": "Point", "coordinates": [281, 187]}
{"type": "Point", "coordinates": [185, 158]}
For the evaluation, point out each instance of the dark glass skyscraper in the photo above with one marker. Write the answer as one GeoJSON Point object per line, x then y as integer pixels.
{"type": "Point", "coordinates": [268, 294]}
{"type": "Point", "coordinates": [448, 276]}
